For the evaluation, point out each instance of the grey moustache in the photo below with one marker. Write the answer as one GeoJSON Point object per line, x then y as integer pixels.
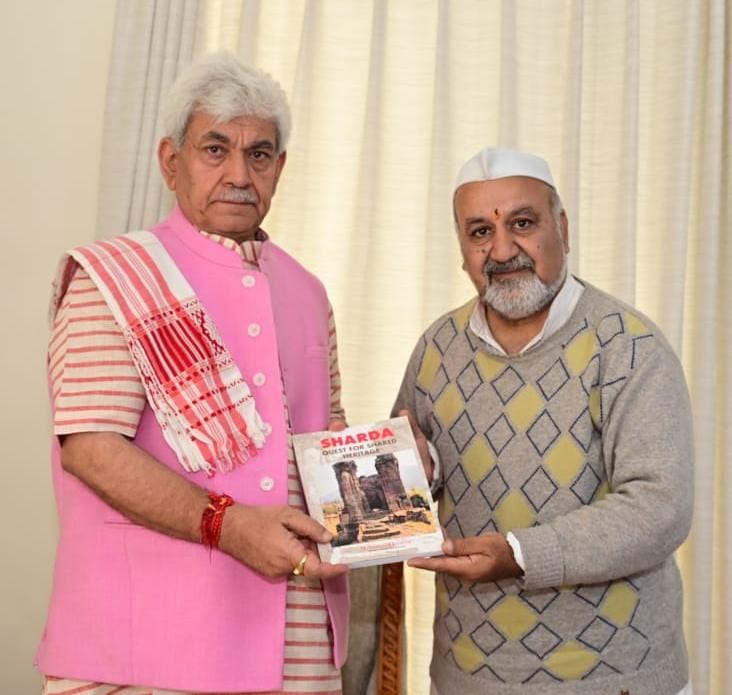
{"type": "Point", "coordinates": [238, 195]}
{"type": "Point", "coordinates": [518, 263]}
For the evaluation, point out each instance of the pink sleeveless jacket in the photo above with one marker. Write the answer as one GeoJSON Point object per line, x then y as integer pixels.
{"type": "Point", "coordinates": [133, 606]}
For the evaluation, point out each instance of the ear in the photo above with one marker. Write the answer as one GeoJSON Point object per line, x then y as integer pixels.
{"type": "Point", "coordinates": [168, 161]}
{"type": "Point", "coordinates": [564, 230]}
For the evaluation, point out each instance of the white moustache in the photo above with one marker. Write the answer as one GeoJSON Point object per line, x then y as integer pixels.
{"type": "Point", "coordinates": [238, 195]}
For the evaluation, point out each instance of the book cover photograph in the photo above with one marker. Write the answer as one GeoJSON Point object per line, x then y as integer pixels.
{"type": "Point", "coordinates": [366, 485]}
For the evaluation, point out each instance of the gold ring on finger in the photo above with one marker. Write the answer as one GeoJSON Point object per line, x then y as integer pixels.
{"type": "Point", "coordinates": [299, 569]}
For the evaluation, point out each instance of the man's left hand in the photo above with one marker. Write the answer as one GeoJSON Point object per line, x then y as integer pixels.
{"type": "Point", "coordinates": [484, 558]}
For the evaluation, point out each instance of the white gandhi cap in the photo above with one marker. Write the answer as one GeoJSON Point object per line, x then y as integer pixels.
{"type": "Point", "coordinates": [494, 163]}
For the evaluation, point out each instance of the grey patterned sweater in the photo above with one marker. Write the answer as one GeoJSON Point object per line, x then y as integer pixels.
{"type": "Point", "coordinates": [582, 447]}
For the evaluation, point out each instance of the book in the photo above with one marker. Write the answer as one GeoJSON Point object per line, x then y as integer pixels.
{"type": "Point", "coordinates": [367, 486]}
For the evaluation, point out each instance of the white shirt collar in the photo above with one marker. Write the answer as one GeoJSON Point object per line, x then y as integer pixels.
{"type": "Point", "coordinates": [559, 312]}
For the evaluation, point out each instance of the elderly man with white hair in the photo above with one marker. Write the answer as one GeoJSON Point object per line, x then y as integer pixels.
{"type": "Point", "coordinates": [182, 360]}
{"type": "Point", "coordinates": [561, 423]}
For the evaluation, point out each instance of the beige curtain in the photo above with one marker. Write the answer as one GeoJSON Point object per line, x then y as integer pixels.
{"type": "Point", "coordinates": [152, 40]}
{"type": "Point", "coordinates": [631, 103]}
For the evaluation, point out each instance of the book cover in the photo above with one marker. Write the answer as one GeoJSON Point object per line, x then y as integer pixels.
{"type": "Point", "coordinates": [366, 485]}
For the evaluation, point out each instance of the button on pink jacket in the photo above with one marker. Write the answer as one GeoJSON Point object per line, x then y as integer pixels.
{"type": "Point", "coordinates": [133, 606]}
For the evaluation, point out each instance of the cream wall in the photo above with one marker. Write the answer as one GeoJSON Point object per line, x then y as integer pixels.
{"type": "Point", "coordinates": [53, 69]}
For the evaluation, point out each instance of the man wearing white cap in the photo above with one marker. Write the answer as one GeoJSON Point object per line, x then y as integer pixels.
{"type": "Point", "coordinates": [561, 422]}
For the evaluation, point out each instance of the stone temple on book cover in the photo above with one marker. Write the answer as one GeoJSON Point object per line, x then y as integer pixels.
{"type": "Point", "coordinates": [372, 502]}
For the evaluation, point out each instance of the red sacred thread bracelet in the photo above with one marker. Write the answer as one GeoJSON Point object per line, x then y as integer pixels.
{"type": "Point", "coordinates": [212, 519]}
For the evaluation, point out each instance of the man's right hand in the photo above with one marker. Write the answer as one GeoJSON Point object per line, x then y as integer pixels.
{"type": "Point", "coordinates": [484, 558]}
{"type": "Point", "coordinates": [272, 540]}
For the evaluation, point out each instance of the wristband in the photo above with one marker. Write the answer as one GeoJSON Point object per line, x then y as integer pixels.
{"type": "Point", "coordinates": [212, 519]}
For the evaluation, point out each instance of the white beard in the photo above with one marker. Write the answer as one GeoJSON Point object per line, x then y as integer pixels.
{"type": "Point", "coordinates": [518, 298]}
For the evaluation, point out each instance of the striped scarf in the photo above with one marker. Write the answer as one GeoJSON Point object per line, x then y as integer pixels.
{"type": "Point", "coordinates": [200, 399]}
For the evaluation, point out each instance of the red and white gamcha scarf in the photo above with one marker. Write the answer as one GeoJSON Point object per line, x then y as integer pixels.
{"type": "Point", "coordinates": [200, 399]}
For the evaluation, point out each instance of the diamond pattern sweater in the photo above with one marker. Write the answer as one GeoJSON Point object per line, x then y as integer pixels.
{"type": "Point", "coordinates": [583, 448]}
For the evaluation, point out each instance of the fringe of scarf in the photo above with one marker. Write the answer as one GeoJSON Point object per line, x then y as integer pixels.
{"type": "Point", "coordinates": [203, 405]}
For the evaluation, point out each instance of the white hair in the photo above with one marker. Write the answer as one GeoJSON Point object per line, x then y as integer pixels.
{"type": "Point", "coordinates": [225, 89]}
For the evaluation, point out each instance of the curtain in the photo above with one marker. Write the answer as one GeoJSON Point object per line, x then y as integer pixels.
{"type": "Point", "coordinates": [629, 101]}
{"type": "Point", "coordinates": [152, 40]}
